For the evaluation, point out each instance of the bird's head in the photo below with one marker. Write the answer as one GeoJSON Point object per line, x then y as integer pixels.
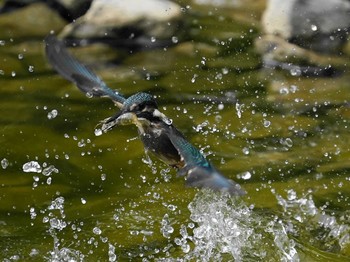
{"type": "Point", "coordinates": [139, 109]}
{"type": "Point", "coordinates": [140, 103]}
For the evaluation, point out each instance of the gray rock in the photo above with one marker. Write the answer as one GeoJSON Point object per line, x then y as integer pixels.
{"type": "Point", "coordinates": [320, 25]}
{"type": "Point", "coordinates": [131, 21]}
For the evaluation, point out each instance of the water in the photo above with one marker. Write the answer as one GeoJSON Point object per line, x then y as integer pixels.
{"type": "Point", "coordinates": [70, 192]}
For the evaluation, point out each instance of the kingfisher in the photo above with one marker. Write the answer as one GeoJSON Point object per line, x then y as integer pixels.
{"type": "Point", "coordinates": [156, 131]}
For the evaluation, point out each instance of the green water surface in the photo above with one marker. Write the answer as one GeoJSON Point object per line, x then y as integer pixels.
{"type": "Point", "coordinates": [284, 138]}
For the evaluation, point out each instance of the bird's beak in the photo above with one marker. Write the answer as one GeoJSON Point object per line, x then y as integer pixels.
{"type": "Point", "coordinates": [128, 118]}
{"type": "Point", "coordinates": [164, 118]}
{"type": "Point", "coordinates": [119, 119]}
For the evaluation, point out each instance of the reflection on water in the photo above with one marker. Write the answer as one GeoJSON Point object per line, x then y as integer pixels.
{"type": "Point", "coordinates": [69, 193]}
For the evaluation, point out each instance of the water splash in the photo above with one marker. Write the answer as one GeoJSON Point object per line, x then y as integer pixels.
{"type": "Point", "coordinates": [306, 219]}
{"type": "Point", "coordinates": [4, 163]}
{"type": "Point", "coordinates": [166, 228]}
{"type": "Point", "coordinates": [98, 132]}
{"type": "Point", "coordinates": [49, 170]}
{"type": "Point", "coordinates": [52, 114]}
{"type": "Point", "coordinates": [32, 167]}
{"type": "Point", "coordinates": [57, 223]}
{"type": "Point", "coordinates": [224, 228]}
{"type": "Point", "coordinates": [239, 109]}
{"type": "Point", "coordinates": [65, 254]}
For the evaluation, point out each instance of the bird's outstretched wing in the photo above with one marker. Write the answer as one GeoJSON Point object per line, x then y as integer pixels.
{"type": "Point", "coordinates": [200, 173]}
{"type": "Point", "coordinates": [71, 69]}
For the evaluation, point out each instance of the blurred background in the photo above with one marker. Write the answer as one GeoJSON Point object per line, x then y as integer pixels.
{"type": "Point", "coordinates": [261, 87]}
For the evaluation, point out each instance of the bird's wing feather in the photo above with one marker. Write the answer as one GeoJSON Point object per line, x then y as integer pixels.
{"type": "Point", "coordinates": [71, 69]}
{"type": "Point", "coordinates": [189, 154]}
{"type": "Point", "coordinates": [200, 173]}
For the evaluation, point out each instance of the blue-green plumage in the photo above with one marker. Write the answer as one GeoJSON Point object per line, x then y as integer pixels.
{"type": "Point", "coordinates": [156, 131]}
{"type": "Point", "coordinates": [72, 70]}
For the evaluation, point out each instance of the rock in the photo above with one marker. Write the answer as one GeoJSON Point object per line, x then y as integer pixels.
{"type": "Point", "coordinates": [319, 25]}
{"type": "Point", "coordinates": [71, 9]}
{"type": "Point", "coordinates": [127, 22]}
{"type": "Point", "coordinates": [305, 37]}
{"type": "Point", "coordinates": [68, 9]}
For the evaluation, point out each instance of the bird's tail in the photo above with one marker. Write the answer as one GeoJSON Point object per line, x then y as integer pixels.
{"type": "Point", "coordinates": [203, 177]}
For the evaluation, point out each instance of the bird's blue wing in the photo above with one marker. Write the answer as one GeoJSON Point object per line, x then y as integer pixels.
{"type": "Point", "coordinates": [200, 173]}
{"type": "Point", "coordinates": [71, 69]}
{"type": "Point", "coordinates": [190, 155]}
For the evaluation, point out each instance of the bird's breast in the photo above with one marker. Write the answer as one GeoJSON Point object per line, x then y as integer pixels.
{"type": "Point", "coordinates": [157, 141]}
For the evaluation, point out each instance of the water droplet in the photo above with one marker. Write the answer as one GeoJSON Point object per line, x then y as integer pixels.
{"type": "Point", "coordinates": [81, 143]}
{"type": "Point", "coordinates": [245, 150]}
{"type": "Point", "coordinates": [34, 252]}
{"type": "Point", "coordinates": [97, 231]}
{"type": "Point", "coordinates": [98, 132]}
{"type": "Point", "coordinates": [194, 78]}
{"type": "Point", "coordinates": [2, 42]}
{"type": "Point", "coordinates": [245, 175]}
{"type": "Point", "coordinates": [293, 88]}
{"type": "Point", "coordinates": [32, 166]}
{"type": "Point", "coordinates": [174, 39]}
{"type": "Point", "coordinates": [111, 253]}
{"type": "Point", "coordinates": [32, 213]}
{"type": "Point", "coordinates": [83, 201]}
{"type": "Point", "coordinates": [314, 27]}
{"type": "Point", "coordinates": [168, 121]}
{"type": "Point", "coordinates": [52, 114]}
{"type": "Point", "coordinates": [295, 71]}
{"type": "Point", "coordinates": [286, 142]}
{"type": "Point", "coordinates": [218, 119]}
{"type": "Point", "coordinates": [284, 90]}
{"type": "Point", "coordinates": [153, 39]}
{"type": "Point", "coordinates": [57, 223]}
{"type": "Point", "coordinates": [172, 207]}
{"type": "Point", "coordinates": [291, 194]}
{"type": "Point", "coordinates": [4, 163]}
{"type": "Point", "coordinates": [267, 123]}
{"type": "Point", "coordinates": [225, 70]}
{"type": "Point", "coordinates": [49, 170]}
{"type": "Point", "coordinates": [185, 248]}
{"type": "Point", "coordinates": [89, 95]}
{"type": "Point", "coordinates": [13, 73]}
{"type": "Point", "coordinates": [20, 56]}
{"type": "Point", "coordinates": [239, 109]}
{"type": "Point", "coordinates": [31, 69]}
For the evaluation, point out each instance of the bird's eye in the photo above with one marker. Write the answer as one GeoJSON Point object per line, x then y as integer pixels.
{"type": "Point", "coordinates": [139, 107]}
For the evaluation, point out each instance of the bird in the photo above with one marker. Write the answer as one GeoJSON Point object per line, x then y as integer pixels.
{"type": "Point", "coordinates": [156, 131]}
